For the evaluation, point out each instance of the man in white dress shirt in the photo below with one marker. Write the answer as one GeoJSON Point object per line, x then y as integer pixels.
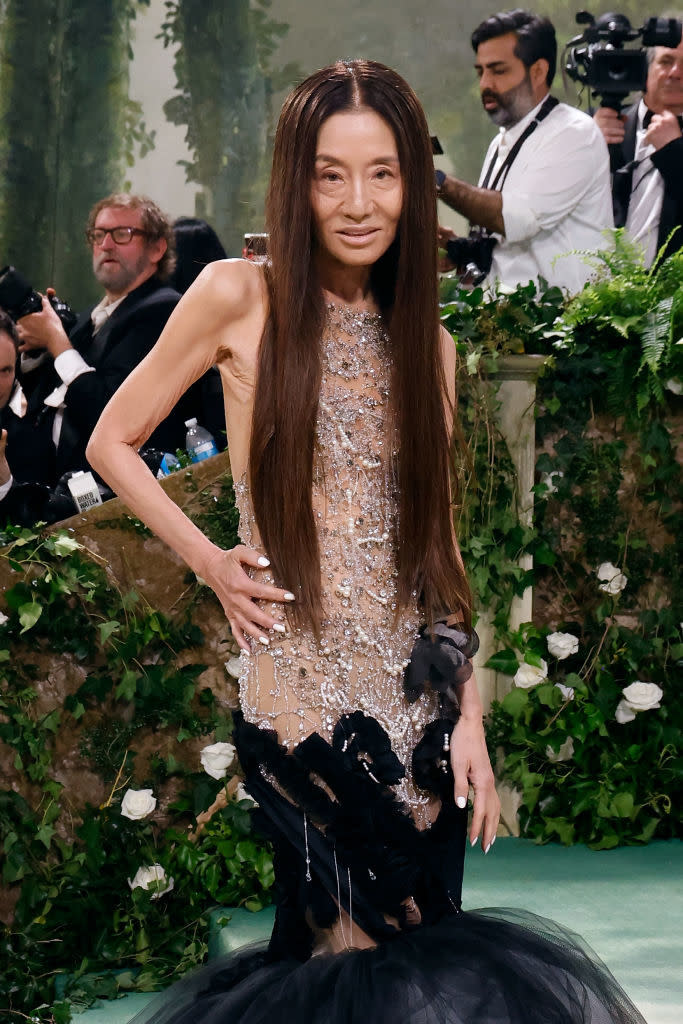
{"type": "Point", "coordinates": [648, 141]}
{"type": "Point", "coordinates": [544, 190]}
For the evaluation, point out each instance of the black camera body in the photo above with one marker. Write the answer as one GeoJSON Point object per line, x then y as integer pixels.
{"type": "Point", "coordinates": [598, 59]}
{"type": "Point", "coordinates": [18, 299]}
{"type": "Point", "coordinates": [473, 255]}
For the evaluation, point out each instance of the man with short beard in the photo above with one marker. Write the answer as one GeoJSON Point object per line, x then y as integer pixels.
{"type": "Point", "coordinates": [76, 375]}
{"type": "Point", "coordinates": [544, 190]}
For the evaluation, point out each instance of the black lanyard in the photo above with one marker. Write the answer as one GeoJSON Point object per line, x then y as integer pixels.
{"type": "Point", "coordinates": [550, 103]}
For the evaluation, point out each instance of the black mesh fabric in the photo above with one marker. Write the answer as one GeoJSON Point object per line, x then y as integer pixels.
{"type": "Point", "coordinates": [342, 839]}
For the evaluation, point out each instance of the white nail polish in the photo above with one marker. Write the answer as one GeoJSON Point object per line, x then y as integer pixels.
{"type": "Point", "coordinates": [279, 628]}
{"type": "Point", "coordinates": [461, 802]}
{"type": "Point", "coordinates": [263, 562]}
{"type": "Point", "coordinates": [474, 842]}
{"type": "Point", "coordinates": [492, 841]}
{"type": "Point", "coordinates": [289, 596]}
{"type": "Point", "coordinates": [264, 640]}
{"type": "Point", "coordinates": [487, 848]}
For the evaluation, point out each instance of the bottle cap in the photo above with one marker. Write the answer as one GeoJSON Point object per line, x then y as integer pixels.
{"type": "Point", "coordinates": [192, 422]}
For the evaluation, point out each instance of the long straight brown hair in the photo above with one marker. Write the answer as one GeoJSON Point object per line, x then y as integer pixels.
{"type": "Point", "coordinates": [404, 284]}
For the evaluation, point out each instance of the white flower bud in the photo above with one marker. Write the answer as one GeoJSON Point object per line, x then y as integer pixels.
{"type": "Point", "coordinates": [216, 758]}
{"type": "Point", "coordinates": [613, 579]}
{"type": "Point", "coordinates": [241, 794]}
{"type": "Point", "coordinates": [152, 877]}
{"type": "Point", "coordinates": [137, 804]}
{"type": "Point", "coordinates": [561, 645]}
{"type": "Point", "coordinates": [527, 675]}
{"type": "Point", "coordinates": [624, 713]}
{"type": "Point", "coordinates": [642, 696]}
{"type": "Point", "coordinates": [565, 753]}
{"type": "Point", "coordinates": [233, 666]}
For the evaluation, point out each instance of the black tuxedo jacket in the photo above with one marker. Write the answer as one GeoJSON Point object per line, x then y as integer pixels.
{"type": "Point", "coordinates": [117, 348]}
{"type": "Point", "coordinates": [31, 458]}
{"type": "Point", "coordinates": [669, 162]}
{"type": "Point", "coordinates": [30, 452]}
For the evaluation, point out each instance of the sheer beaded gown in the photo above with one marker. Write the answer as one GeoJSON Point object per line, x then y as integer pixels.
{"type": "Point", "coordinates": [344, 745]}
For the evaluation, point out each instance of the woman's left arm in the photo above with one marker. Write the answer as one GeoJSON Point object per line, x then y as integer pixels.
{"type": "Point", "coordinates": [469, 756]}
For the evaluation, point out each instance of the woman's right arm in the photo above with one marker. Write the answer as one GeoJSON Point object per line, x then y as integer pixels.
{"type": "Point", "coordinates": [214, 310]}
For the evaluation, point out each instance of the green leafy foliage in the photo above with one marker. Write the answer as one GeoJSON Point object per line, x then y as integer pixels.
{"type": "Point", "coordinates": [139, 672]}
{"type": "Point", "coordinates": [225, 80]}
{"type": "Point", "coordinates": [608, 490]}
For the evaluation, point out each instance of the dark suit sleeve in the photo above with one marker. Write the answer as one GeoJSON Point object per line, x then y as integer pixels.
{"type": "Point", "coordinates": [669, 162]}
{"type": "Point", "coordinates": [129, 343]}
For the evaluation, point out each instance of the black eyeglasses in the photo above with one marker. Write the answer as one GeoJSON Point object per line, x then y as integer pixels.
{"type": "Point", "coordinates": [122, 236]}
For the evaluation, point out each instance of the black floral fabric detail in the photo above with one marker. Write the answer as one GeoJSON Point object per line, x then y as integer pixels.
{"type": "Point", "coordinates": [441, 660]}
{"type": "Point", "coordinates": [431, 760]}
{"type": "Point", "coordinates": [363, 744]}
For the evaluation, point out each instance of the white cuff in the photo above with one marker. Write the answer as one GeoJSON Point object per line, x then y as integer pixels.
{"type": "Point", "coordinates": [5, 488]}
{"type": "Point", "coordinates": [518, 217]}
{"type": "Point", "coordinates": [71, 364]}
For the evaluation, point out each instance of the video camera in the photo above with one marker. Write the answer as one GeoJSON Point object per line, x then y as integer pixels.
{"type": "Point", "coordinates": [597, 58]}
{"type": "Point", "coordinates": [18, 299]}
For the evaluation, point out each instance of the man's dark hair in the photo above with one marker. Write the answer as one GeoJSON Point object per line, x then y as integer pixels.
{"type": "Point", "coordinates": [535, 37]}
{"type": "Point", "coordinates": [8, 326]}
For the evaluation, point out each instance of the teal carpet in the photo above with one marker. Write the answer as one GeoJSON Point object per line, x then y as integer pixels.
{"type": "Point", "coordinates": [627, 904]}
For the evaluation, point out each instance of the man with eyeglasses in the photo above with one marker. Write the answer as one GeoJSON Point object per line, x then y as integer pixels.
{"type": "Point", "coordinates": [133, 254]}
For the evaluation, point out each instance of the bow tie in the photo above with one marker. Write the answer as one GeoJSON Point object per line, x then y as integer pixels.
{"type": "Point", "coordinates": [648, 118]}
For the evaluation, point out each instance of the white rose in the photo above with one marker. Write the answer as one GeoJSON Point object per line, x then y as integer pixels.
{"type": "Point", "coordinates": [137, 804]}
{"type": "Point", "coordinates": [642, 696]}
{"type": "Point", "coordinates": [566, 691]}
{"type": "Point", "coordinates": [152, 877]}
{"type": "Point", "coordinates": [241, 794]}
{"type": "Point", "coordinates": [561, 645]}
{"type": "Point", "coordinates": [548, 480]}
{"type": "Point", "coordinates": [614, 579]}
{"type": "Point", "coordinates": [3, 618]}
{"type": "Point", "coordinates": [216, 758]}
{"type": "Point", "coordinates": [624, 713]}
{"type": "Point", "coordinates": [565, 752]}
{"type": "Point", "coordinates": [527, 675]}
{"type": "Point", "coordinates": [233, 666]}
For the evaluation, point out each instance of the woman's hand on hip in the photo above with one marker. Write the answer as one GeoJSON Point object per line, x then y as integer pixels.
{"type": "Point", "coordinates": [242, 597]}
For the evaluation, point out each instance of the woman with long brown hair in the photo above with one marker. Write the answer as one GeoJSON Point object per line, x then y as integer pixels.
{"type": "Point", "coordinates": [360, 729]}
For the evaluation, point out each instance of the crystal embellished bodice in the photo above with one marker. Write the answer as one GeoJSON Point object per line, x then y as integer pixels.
{"type": "Point", "coordinates": [298, 685]}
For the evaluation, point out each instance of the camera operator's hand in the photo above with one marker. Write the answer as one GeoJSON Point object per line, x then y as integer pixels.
{"type": "Point", "coordinates": [611, 124]}
{"type": "Point", "coordinates": [5, 471]}
{"type": "Point", "coordinates": [663, 129]}
{"type": "Point", "coordinates": [445, 235]}
{"type": "Point", "coordinates": [43, 330]}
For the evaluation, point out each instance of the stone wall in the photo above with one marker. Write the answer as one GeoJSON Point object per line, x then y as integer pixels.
{"type": "Point", "coordinates": [135, 561]}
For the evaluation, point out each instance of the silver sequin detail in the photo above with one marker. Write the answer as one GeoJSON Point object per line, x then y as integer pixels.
{"type": "Point", "coordinates": [298, 686]}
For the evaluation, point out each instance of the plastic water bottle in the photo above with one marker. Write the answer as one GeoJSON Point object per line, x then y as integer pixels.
{"type": "Point", "coordinates": [199, 443]}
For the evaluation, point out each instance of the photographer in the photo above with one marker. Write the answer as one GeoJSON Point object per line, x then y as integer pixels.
{"type": "Point", "coordinates": [69, 379]}
{"type": "Point", "coordinates": [544, 191]}
{"type": "Point", "coordinates": [647, 187]}
{"type": "Point", "coordinates": [27, 454]}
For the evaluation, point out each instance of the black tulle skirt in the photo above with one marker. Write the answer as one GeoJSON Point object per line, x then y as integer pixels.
{"type": "Point", "coordinates": [350, 843]}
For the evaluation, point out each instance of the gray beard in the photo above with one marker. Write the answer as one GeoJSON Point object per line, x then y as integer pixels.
{"type": "Point", "coordinates": [514, 104]}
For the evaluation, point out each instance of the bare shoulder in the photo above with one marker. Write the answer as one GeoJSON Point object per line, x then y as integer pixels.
{"type": "Point", "coordinates": [228, 291]}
